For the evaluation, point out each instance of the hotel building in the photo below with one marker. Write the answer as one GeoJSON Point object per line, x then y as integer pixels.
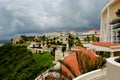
{"type": "Point", "coordinates": [89, 33]}
{"type": "Point", "coordinates": [109, 30]}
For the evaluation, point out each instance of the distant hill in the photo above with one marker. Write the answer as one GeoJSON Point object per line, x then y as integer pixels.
{"type": "Point", "coordinates": [5, 41]}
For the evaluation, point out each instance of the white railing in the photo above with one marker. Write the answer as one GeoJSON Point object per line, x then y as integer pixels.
{"type": "Point", "coordinates": [57, 66]}
{"type": "Point", "coordinates": [99, 74]}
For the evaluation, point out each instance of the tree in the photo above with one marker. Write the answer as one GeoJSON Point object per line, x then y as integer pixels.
{"type": "Point", "coordinates": [47, 41]}
{"type": "Point", "coordinates": [53, 51]}
{"type": "Point", "coordinates": [54, 38]}
{"type": "Point", "coordinates": [97, 39]}
{"type": "Point", "coordinates": [94, 38]}
{"type": "Point", "coordinates": [11, 40]}
{"type": "Point", "coordinates": [63, 48]}
{"type": "Point", "coordinates": [43, 38]}
{"type": "Point", "coordinates": [30, 38]}
{"type": "Point", "coordinates": [24, 37]}
{"type": "Point", "coordinates": [59, 43]}
{"type": "Point", "coordinates": [87, 39]}
{"type": "Point", "coordinates": [70, 41]}
{"type": "Point", "coordinates": [17, 63]}
{"type": "Point", "coordinates": [21, 41]}
{"type": "Point", "coordinates": [78, 42]}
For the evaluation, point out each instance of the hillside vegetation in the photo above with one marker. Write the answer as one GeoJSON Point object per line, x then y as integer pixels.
{"type": "Point", "coordinates": [17, 63]}
{"type": "Point", "coordinates": [44, 59]}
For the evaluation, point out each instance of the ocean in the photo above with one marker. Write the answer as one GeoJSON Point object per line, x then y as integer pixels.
{"type": "Point", "coordinates": [1, 44]}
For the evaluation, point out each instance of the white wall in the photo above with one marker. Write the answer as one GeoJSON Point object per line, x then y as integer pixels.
{"type": "Point", "coordinates": [113, 69]}
{"type": "Point", "coordinates": [99, 74]}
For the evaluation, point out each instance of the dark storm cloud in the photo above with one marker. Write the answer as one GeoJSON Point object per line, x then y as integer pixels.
{"type": "Point", "coordinates": [41, 16]}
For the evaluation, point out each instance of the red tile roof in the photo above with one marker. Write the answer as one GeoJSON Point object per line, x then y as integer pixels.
{"type": "Point", "coordinates": [77, 48]}
{"type": "Point", "coordinates": [105, 44]}
{"type": "Point", "coordinates": [88, 52]}
{"type": "Point", "coordinates": [64, 31]}
{"type": "Point", "coordinates": [92, 30]}
{"type": "Point", "coordinates": [73, 30]}
{"type": "Point", "coordinates": [72, 60]}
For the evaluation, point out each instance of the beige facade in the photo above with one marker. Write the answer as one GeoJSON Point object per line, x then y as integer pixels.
{"type": "Point", "coordinates": [52, 35]}
{"type": "Point", "coordinates": [64, 33]}
{"type": "Point", "coordinates": [89, 33]}
{"type": "Point", "coordinates": [73, 32]}
{"type": "Point", "coordinates": [16, 40]}
{"type": "Point", "coordinates": [58, 55]}
{"type": "Point", "coordinates": [108, 14]}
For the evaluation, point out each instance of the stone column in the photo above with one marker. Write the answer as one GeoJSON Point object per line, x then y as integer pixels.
{"type": "Point", "coordinates": [111, 54]}
{"type": "Point", "coordinates": [112, 34]}
{"type": "Point", "coordinates": [116, 33]}
{"type": "Point", "coordinates": [102, 30]}
{"type": "Point", "coordinates": [108, 29]}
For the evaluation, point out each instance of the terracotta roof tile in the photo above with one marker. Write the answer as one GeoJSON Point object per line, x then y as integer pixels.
{"type": "Point", "coordinates": [91, 30]}
{"type": "Point", "coordinates": [105, 44]}
{"type": "Point", "coordinates": [77, 48]}
{"type": "Point", "coordinates": [72, 60]}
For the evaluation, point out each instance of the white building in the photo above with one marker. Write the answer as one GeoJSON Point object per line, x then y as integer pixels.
{"type": "Point", "coordinates": [16, 40]}
{"type": "Point", "coordinates": [89, 33]}
{"type": "Point", "coordinates": [73, 33]}
{"type": "Point", "coordinates": [108, 14]}
{"type": "Point", "coordinates": [52, 35]}
{"type": "Point", "coordinates": [110, 30]}
{"type": "Point", "coordinates": [58, 54]}
{"type": "Point", "coordinates": [64, 33]}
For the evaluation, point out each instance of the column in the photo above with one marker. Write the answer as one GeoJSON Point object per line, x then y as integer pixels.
{"type": "Point", "coordinates": [102, 29]}
{"type": "Point", "coordinates": [116, 33]}
{"type": "Point", "coordinates": [111, 54]}
{"type": "Point", "coordinates": [67, 46]}
{"type": "Point", "coordinates": [112, 34]}
{"type": "Point", "coordinates": [108, 29]}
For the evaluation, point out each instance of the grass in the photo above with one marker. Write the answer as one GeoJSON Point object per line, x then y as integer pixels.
{"type": "Point", "coordinates": [22, 44]}
{"type": "Point", "coordinates": [44, 59]}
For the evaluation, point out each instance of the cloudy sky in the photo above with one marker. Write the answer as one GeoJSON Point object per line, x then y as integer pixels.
{"type": "Point", "coordinates": [43, 16]}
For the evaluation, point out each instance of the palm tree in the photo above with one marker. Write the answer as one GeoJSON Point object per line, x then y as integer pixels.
{"type": "Point", "coordinates": [84, 61]}
{"type": "Point", "coordinates": [94, 38]}
{"type": "Point", "coordinates": [63, 48]}
{"type": "Point", "coordinates": [78, 42]}
{"type": "Point", "coordinates": [87, 39]}
{"type": "Point", "coordinates": [70, 41]}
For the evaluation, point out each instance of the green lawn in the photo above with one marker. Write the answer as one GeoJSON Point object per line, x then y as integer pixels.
{"type": "Point", "coordinates": [22, 44]}
{"type": "Point", "coordinates": [44, 59]}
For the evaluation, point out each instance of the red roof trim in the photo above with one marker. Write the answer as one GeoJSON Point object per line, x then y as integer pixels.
{"type": "Point", "coordinates": [92, 30]}
{"type": "Point", "coordinates": [105, 44]}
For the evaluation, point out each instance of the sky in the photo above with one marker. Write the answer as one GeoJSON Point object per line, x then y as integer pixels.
{"type": "Point", "coordinates": [21, 17]}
